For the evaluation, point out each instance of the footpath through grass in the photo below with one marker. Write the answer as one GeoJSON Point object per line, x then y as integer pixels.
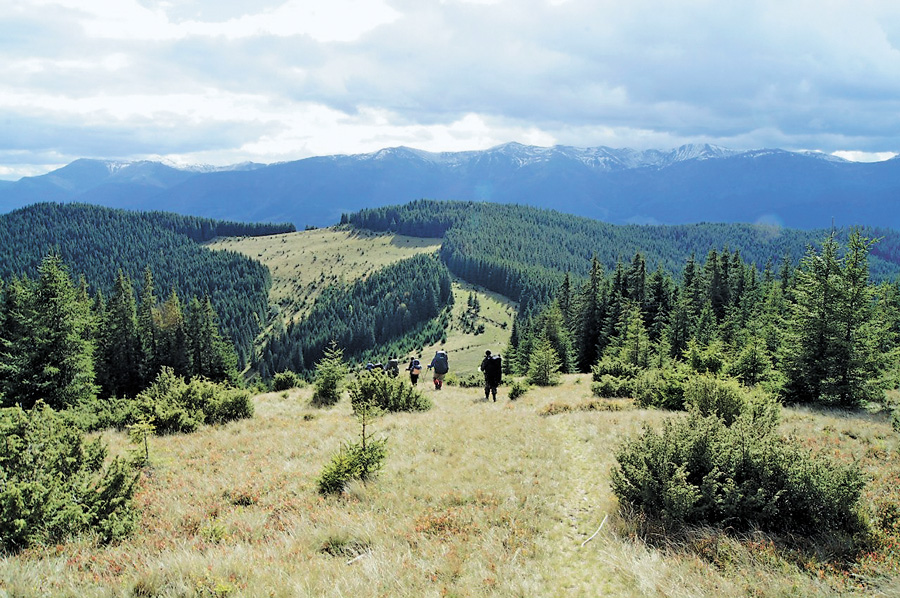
{"type": "Point", "coordinates": [476, 499]}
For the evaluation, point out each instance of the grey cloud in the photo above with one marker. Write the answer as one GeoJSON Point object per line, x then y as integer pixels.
{"type": "Point", "coordinates": [790, 74]}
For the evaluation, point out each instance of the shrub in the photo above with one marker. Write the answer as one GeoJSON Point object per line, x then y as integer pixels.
{"type": "Point", "coordinates": [705, 360]}
{"type": "Point", "coordinates": [663, 388]}
{"type": "Point", "coordinates": [55, 485]}
{"type": "Point", "coordinates": [386, 393]}
{"type": "Point", "coordinates": [517, 389]}
{"type": "Point", "coordinates": [609, 387]}
{"type": "Point", "coordinates": [698, 471]}
{"type": "Point", "coordinates": [173, 405]}
{"type": "Point", "coordinates": [613, 367]}
{"type": "Point", "coordinates": [712, 397]}
{"type": "Point", "coordinates": [286, 381]}
{"type": "Point", "coordinates": [329, 376]}
{"type": "Point", "coordinates": [359, 460]}
{"type": "Point", "coordinates": [471, 381]}
{"type": "Point", "coordinates": [352, 462]}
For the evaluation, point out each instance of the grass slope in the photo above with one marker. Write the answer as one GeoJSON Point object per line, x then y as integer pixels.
{"type": "Point", "coordinates": [303, 263]}
{"type": "Point", "coordinates": [476, 499]}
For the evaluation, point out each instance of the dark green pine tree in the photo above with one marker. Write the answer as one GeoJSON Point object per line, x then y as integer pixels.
{"type": "Point", "coordinates": [59, 363]}
{"type": "Point", "coordinates": [812, 324]}
{"type": "Point", "coordinates": [511, 362]}
{"type": "Point", "coordinates": [121, 353]}
{"type": "Point", "coordinates": [855, 354]}
{"type": "Point", "coordinates": [16, 328]}
{"type": "Point", "coordinates": [589, 318]}
{"type": "Point", "coordinates": [678, 330]}
{"type": "Point", "coordinates": [148, 331]}
{"type": "Point", "coordinates": [210, 355]}
{"type": "Point", "coordinates": [636, 347]}
{"type": "Point", "coordinates": [660, 299]}
{"type": "Point", "coordinates": [830, 353]}
{"type": "Point", "coordinates": [551, 326]}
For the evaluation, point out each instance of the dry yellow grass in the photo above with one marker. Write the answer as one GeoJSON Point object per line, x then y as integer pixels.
{"type": "Point", "coordinates": [304, 263]}
{"type": "Point", "coordinates": [476, 499]}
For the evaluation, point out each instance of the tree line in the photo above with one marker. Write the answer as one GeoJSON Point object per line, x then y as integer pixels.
{"type": "Point", "coordinates": [524, 252]}
{"type": "Point", "coordinates": [819, 331]}
{"type": "Point", "coordinates": [64, 346]}
{"type": "Point", "coordinates": [98, 242]}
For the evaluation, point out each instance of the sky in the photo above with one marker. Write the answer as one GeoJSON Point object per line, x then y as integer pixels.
{"type": "Point", "coordinates": [227, 81]}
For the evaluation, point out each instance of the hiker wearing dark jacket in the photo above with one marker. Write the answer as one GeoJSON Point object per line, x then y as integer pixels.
{"type": "Point", "coordinates": [440, 365]}
{"type": "Point", "coordinates": [493, 373]}
{"type": "Point", "coordinates": [414, 368]}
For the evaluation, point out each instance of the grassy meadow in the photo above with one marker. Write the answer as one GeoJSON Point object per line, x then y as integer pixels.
{"type": "Point", "coordinates": [303, 263]}
{"type": "Point", "coordinates": [475, 499]}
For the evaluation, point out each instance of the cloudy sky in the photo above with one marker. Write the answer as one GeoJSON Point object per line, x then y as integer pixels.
{"type": "Point", "coordinates": [226, 81]}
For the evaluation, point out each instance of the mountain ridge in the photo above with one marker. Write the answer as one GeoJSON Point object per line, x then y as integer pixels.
{"type": "Point", "coordinates": [691, 183]}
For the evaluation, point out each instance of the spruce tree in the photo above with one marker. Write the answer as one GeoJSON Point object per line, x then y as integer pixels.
{"type": "Point", "coordinates": [829, 354]}
{"type": "Point", "coordinates": [59, 364]}
{"type": "Point", "coordinates": [544, 364]}
{"type": "Point", "coordinates": [121, 354]}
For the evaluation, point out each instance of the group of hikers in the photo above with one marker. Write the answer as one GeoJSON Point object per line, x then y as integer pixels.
{"type": "Point", "coordinates": [491, 367]}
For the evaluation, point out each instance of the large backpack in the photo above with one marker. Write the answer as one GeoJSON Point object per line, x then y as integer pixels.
{"type": "Point", "coordinates": [441, 365]}
{"type": "Point", "coordinates": [494, 367]}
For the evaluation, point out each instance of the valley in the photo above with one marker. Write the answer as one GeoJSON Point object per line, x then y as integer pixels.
{"type": "Point", "coordinates": [303, 263]}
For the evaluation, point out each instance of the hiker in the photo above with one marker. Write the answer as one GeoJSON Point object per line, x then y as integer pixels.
{"type": "Point", "coordinates": [393, 368]}
{"type": "Point", "coordinates": [491, 367]}
{"type": "Point", "coordinates": [441, 366]}
{"type": "Point", "coordinates": [414, 368]}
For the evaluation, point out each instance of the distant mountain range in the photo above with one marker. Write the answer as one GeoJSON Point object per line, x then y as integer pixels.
{"type": "Point", "coordinates": [693, 183]}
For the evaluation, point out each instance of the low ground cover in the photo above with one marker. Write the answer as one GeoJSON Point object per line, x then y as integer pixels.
{"type": "Point", "coordinates": [474, 499]}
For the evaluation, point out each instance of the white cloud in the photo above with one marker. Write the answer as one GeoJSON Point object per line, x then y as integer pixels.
{"type": "Point", "coordinates": [335, 20]}
{"type": "Point", "coordinates": [855, 156]}
{"type": "Point", "coordinates": [284, 79]}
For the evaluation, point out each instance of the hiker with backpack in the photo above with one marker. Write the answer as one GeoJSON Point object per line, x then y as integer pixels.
{"type": "Point", "coordinates": [440, 364]}
{"type": "Point", "coordinates": [491, 367]}
{"type": "Point", "coordinates": [393, 368]}
{"type": "Point", "coordinates": [414, 368]}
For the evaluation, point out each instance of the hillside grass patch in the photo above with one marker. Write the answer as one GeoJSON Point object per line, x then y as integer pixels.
{"type": "Point", "coordinates": [474, 499]}
{"type": "Point", "coordinates": [303, 263]}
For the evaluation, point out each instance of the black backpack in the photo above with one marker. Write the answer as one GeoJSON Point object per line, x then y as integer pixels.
{"type": "Point", "coordinates": [494, 367]}
{"type": "Point", "coordinates": [441, 366]}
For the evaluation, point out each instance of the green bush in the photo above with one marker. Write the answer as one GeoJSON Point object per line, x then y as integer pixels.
{"type": "Point", "coordinates": [353, 461]}
{"type": "Point", "coordinates": [360, 460]}
{"type": "Point", "coordinates": [172, 405]}
{"type": "Point", "coordinates": [705, 360]}
{"type": "Point", "coordinates": [517, 389]}
{"type": "Point", "coordinates": [614, 367]}
{"type": "Point", "coordinates": [286, 381]}
{"type": "Point", "coordinates": [661, 388]}
{"type": "Point", "coordinates": [470, 381]}
{"type": "Point", "coordinates": [698, 471]}
{"type": "Point", "coordinates": [330, 372]}
{"type": "Point", "coordinates": [386, 393]}
{"type": "Point", "coordinates": [55, 485]}
{"type": "Point", "coordinates": [610, 387]}
{"type": "Point", "coordinates": [712, 397]}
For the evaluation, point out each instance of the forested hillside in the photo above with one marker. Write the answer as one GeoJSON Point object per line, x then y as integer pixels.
{"type": "Point", "coordinates": [401, 299]}
{"type": "Point", "coordinates": [97, 243]}
{"type": "Point", "coordinates": [524, 252]}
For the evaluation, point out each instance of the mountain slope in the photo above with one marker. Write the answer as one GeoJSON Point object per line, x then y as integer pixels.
{"type": "Point", "coordinates": [694, 183]}
{"type": "Point", "coordinates": [98, 242]}
{"type": "Point", "coordinates": [524, 252]}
